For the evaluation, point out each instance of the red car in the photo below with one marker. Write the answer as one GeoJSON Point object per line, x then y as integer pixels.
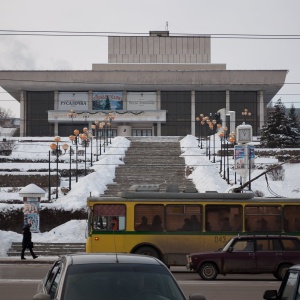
{"type": "Point", "coordinates": [251, 254]}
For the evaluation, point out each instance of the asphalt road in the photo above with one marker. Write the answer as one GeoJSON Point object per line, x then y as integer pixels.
{"type": "Point", "coordinates": [19, 282]}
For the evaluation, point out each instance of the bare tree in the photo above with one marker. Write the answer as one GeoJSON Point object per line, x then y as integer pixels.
{"type": "Point", "coordinates": [5, 116]}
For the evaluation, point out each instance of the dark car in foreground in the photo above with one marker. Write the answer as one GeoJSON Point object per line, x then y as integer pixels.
{"type": "Point", "coordinates": [110, 277]}
{"type": "Point", "coordinates": [249, 254]}
{"type": "Point", "coordinates": [290, 286]}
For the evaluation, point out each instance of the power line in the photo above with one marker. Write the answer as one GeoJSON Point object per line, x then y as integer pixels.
{"type": "Point", "coordinates": [62, 33]}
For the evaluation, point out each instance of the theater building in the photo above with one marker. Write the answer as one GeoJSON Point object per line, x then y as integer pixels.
{"type": "Point", "coordinates": [152, 85]}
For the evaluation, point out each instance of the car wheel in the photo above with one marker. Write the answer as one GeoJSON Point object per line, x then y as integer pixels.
{"type": "Point", "coordinates": [208, 271]}
{"type": "Point", "coordinates": [281, 271]}
{"type": "Point", "coordinates": [147, 250]}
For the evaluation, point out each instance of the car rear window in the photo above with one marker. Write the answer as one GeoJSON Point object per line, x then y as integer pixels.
{"type": "Point", "coordinates": [291, 244]}
{"type": "Point", "coordinates": [118, 281]}
{"type": "Point", "coordinates": [268, 245]}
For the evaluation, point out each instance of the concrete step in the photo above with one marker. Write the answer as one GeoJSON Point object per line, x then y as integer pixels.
{"type": "Point", "coordinates": [48, 249]}
{"type": "Point", "coordinates": [151, 160]}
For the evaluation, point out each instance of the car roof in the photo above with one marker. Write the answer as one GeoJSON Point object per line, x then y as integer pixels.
{"type": "Point", "coordinates": [91, 258]}
{"type": "Point", "coordinates": [260, 236]}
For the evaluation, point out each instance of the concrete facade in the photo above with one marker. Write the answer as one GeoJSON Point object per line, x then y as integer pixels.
{"type": "Point", "coordinates": [160, 67]}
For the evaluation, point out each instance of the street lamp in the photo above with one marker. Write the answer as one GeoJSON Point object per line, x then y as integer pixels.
{"type": "Point", "coordinates": [79, 139]}
{"type": "Point", "coordinates": [221, 135]}
{"type": "Point", "coordinates": [212, 124]}
{"type": "Point", "coordinates": [201, 119]}
{"type": "Point", "coordinates": [232, 141]}
{"type": "Point", "coordinates": [72, 114]}
{"type": "Point", "coordinates": [111, 117]}
{"type": "Point", "coordinates": [55, 148]}
{"type": "Point", "coordinates": [84, 140]}
{"type": "Point", "coordinates": [97, 127]}
{"type": "Point", "coordinates": [225, 148]}
{"type": "Point", "coordinates": [66, 147]}
{"type": "Point", "coordinates": [246, 113]}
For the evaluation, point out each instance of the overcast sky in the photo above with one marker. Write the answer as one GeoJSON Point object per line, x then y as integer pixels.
{"type": "Point", "coordinates": [263, 17]}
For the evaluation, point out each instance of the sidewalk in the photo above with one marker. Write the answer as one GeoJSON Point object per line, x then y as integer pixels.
{"type": "Point", "coordinates": [28, 260]}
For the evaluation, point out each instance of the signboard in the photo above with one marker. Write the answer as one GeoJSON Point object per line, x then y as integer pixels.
{"type": "Point", "coordinates": [107, 100]}
{"type": "Point", "coordinates": [141, 101]}
{"type": "Point", "coordinates": [73, 100]}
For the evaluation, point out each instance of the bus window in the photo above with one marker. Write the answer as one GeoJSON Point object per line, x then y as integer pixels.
{"type": "Point", "coordinates": [183, 218]}
{"type": "Point", "coordinates": [223, 218]}
{"type": "Point", "coordinates": [149, 217]}
{"type": "Point", "coordinates": [263, 218]}
{"type": "Point", "coordinates": [109, 217]}
{"type": "Point", "coordinates": [291, 218]}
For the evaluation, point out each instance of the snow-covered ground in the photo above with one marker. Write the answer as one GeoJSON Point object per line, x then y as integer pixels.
{"type": "Point", "coordinates": [205, 175]}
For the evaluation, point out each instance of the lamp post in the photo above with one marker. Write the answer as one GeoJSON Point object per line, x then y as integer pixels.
{"type": "Point", "coordinates": [90, 137]}
{"type": "Point", "coordinates": [246, 113]}
{"type": "Point", "coordinates": [111, 117]}
{"type": "Point", "coordinates": [201, 119]}
{"type": "Point", "coordinates": [97, 127]}
{"type": "Point", "coordinates": [84, 140]}
{"type": "Point", "coordinates": [232, 141]}
{"type": "Point", "coordinates": [224, 148]}
{"type": "Point", "coordinates": [79, 139]}
{"type": "Point", "coordinates": [72, 114]}
{"type": "Point", "coordinates": [212, 124]}
{"type": "Point", "coordinates": [221, 135]}
{"type": "Point", "coordinates": [55, 148]}
{"type": "Point", "coordinates": [49, 177]}
{"type": "Point", "coordinates": [65, 148]}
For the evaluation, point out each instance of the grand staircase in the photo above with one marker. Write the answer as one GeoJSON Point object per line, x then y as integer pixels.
{"type": "Point", "coordinates": [151, 160]}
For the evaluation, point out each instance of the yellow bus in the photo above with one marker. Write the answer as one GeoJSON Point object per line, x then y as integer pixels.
{"type": "Point", "coordinates": [171, 225]}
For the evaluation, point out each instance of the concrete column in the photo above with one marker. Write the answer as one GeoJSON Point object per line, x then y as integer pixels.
{"type": "Point", "coordinates": [261, 109]}
{"type": "Point", "coordinates": [90, 107]}
{"type": "Point", "coordinates": [193, 112]}
{"type": "Point", "coordinates": [90, 100]}
{"type": "Point", "coordinates": [158, 107]}
{"type": "Point", "coordinates": [56, 108]}
{"type": "Point", "coordinates": [23, 116]}
{"type": "Point", "coordinates": [124, 100]}
{"type": "Point", "coordinates": [227, 101]}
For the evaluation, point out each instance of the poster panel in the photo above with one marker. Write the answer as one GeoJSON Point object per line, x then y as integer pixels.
{"type": "Point", "coordinates": [141, 101]}
{"type": "Point", "coordinates": [239, 157]}
{"type": "Point", "coordinates": [31, 214]}
{"type": "Point", "coordinates": [73, 100]}
{"type": "Point", "coordinates": [107, 100]}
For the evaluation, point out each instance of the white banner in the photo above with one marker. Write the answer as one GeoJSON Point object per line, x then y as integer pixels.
{"type": "Point", "coordinates": [73, 100]}
{"type": "Point", "coordinates": [141, 101]}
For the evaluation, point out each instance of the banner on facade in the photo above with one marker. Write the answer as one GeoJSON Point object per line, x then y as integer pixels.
{"type": "Point", "coordinates": [141, 101]}
{"type": "Point", "coordinates": [107, 100]}
{"type": "Point", "coordinates": [73, 100]}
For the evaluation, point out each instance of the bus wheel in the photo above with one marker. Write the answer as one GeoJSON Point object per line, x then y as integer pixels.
{"type": "Point", "coordinates": [147, 250]}
{"type": "Point", "coordinates": [208, 271]}
{"type": "Point", "coordinates": [281, 271]}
